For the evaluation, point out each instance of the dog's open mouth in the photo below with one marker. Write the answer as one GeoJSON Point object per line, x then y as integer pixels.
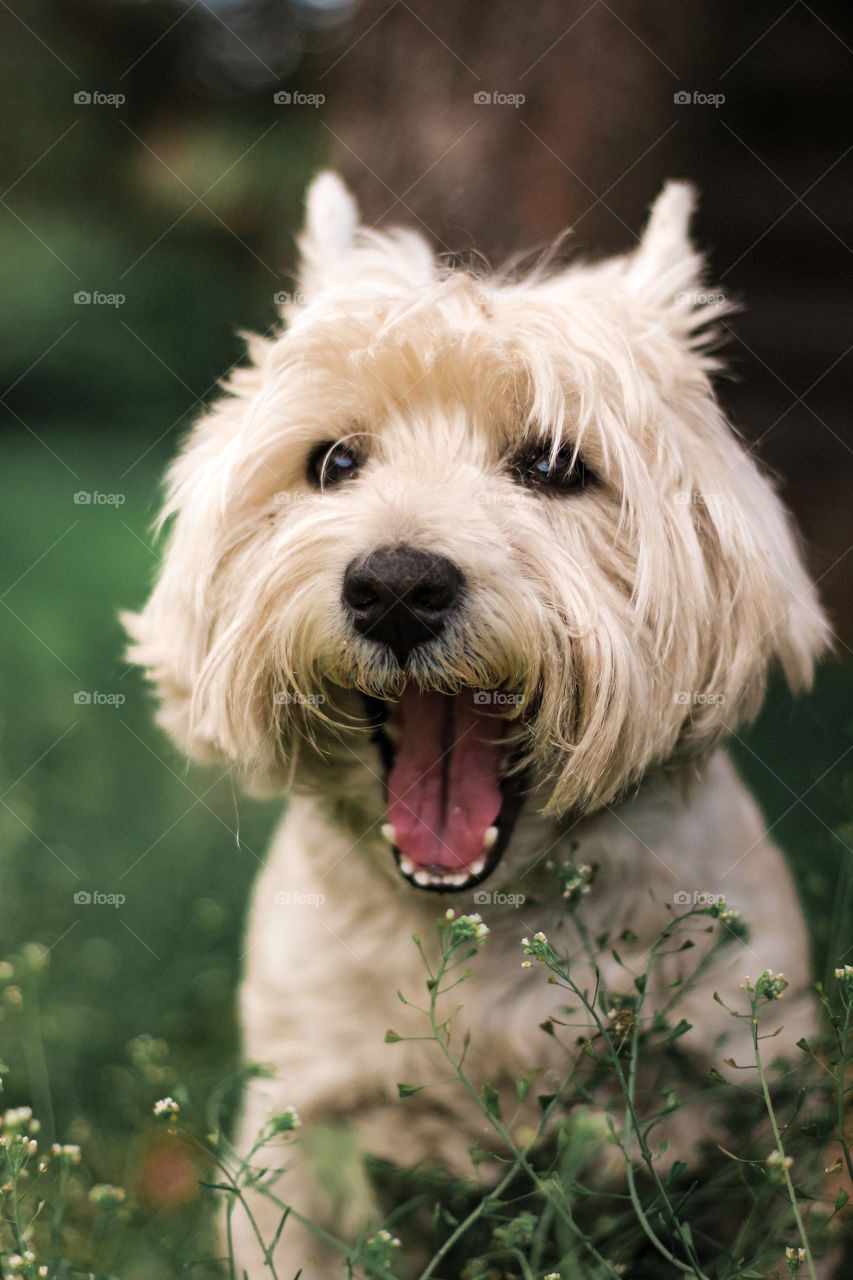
{"type": "Point", "coordinates": [452, 794]}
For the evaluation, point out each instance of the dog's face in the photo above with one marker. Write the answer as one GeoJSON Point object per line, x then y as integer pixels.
{"type": "Point", "coordinates": [475, 537]}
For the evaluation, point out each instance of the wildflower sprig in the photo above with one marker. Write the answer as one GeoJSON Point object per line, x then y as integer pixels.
{"type": "Point", "coordinates": [460, 939]}
{"type": "Point", "coordinates": [460, 929]}
{"type": "Point", "coordinates": [539, 947]}
{"type": "Point", "coordinates": [842, 1026]}
{"type": "Point", "coordinates": [617, 1028]}
{"type": "Point", "coordinates": [768, 987]}
{"type": "Point", "coordinates": [378, 1253]}
{"type": "Point", "coordinates": [576, 881]}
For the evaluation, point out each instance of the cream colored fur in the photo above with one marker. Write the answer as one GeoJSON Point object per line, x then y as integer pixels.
{"type": "Point", "coordinates": [636, 621]}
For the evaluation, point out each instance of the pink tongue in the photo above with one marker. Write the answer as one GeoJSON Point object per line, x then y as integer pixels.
{"type": "Point", "coordinates": [443, 791]}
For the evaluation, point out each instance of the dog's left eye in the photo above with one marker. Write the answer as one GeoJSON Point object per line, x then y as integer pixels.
{"type": "Point", "coordinates": [330, 463]}
{"type": "Point", "coordinates": [559, 472]}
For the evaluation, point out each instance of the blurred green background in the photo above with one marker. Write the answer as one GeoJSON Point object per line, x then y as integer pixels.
{"type": "Point", "coordinates": [183, 201]}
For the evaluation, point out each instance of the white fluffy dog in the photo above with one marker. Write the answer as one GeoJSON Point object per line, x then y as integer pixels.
{"type": "Point", "coordinates": [475, 569]}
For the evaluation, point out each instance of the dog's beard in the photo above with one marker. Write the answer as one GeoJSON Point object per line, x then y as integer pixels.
{"type": "Point", "coordinates": [453, 792]}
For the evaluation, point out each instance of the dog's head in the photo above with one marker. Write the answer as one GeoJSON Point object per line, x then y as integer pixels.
{"type": "Point", "coordinates": [473, 533]}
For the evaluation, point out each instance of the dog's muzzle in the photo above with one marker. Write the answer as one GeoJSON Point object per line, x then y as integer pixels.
{"type": "Point", "coordinates": [401, 598]}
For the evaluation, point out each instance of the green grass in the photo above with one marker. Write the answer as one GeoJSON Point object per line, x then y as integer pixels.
{"type": "Point", "coordinates": [96, 799]}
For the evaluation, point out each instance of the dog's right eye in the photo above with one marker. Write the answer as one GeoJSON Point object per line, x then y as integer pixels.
{"type": "Point", "coordinates": [330, 463]}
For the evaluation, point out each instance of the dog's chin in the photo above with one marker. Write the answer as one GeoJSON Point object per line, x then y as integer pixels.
{"type": "Point", "coordinates": [453, 784]}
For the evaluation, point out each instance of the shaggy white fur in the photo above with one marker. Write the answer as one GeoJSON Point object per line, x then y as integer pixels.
{"type": "Point", "coordinates": [621, 579]}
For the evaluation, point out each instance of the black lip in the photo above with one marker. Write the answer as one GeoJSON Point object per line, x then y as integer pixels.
{"type": "Point", "coordinates": [512, 785]}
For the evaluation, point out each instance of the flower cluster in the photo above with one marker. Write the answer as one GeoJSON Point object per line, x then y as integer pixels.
{"type": "Point", "coordinates": [465, 929]}
{"type": "Point", "coordinates": [576, 881]}
{"type": "Point", "coordinates": [283, 1122]}
{"type": "Point", "coordinates": [728, 916]}
{"type": "Point", "coordinates": [770, 985]}
{"type": "Point", "coordinates": [67, 1153]}
{"type": "Point", "coordinates": [845, 976]}
{"type": "Point", "coordinates": [516, 1233]}
{"type": "Point", "coordinates": [23, 1266]}
{"type": "Point", "coordinates": [777, 1165]}
{"type": "Point", "coordinates": [621, 1017]}
{"type": "Point", "coordinates": [166, 1107]}
{"type": "Point", "coordinates": [104, 1195]}
{"type": "Point", "coordinates": [378, 1250]}
{"type": "Point", "coordinates": [795, 1259]}
{"type": "Point", "coordinates": [19, 1118]}
{"type": "Point", "coordinates": [538, 947]}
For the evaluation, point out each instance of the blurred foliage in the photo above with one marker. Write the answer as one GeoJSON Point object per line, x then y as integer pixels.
{"type": "Point", "coordinates": [181, 199]}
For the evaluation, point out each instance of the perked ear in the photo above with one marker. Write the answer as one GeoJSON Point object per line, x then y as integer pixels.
{"type": "Point", "coordinates": [665, 263]}
{"type": "Point", "coordinates": [336, 251]}
{"type": "Point", "coordinates": [331, 221]}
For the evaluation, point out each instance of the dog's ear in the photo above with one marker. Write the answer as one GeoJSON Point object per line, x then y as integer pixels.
{"type": "Point", "coordinates": [331, 222]}
{"type": "Point", "coordinates": [337, 252]}
{"type": "Point", "coordinates": [666, 264]}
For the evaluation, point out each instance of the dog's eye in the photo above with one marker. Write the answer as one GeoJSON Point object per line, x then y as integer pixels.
{"type": "Point", "coordinates": [331, 463]}
{"type": "Point", "coordinates": [558, 473]}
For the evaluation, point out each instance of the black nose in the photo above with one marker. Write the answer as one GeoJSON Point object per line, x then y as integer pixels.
{"type": "Point", "coordinates": [400, 597]}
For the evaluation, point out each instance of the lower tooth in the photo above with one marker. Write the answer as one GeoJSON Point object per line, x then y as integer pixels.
{"type": "Point", "coordinates": [406, 865]}
{"type": "Point", "coordinates": [388, 832]}
{"type": "Point", "coordinates": [477, 868]}
{"type": "Point", "coordinates": [423, 878]}
{"type": "Point", "coordinates": [490, 836]}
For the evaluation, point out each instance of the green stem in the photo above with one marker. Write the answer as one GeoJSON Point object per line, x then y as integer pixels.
{"type": "Point", "coordinates": [547, 1191]}
{"type": "Point", "coordinates": [631, 1119]}
{"type": "Point", "coordinates": [475, 1213]}
{"type": "Point", "coordinates": [765, 1088]}
{"type": "Point", "coordinates": [845, 1146]}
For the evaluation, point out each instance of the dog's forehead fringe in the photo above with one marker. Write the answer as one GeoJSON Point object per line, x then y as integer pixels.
{"type": "Point", "coordinates": [540, 355]}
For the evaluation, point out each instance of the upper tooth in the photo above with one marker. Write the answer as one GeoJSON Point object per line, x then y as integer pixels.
{"type": "Point", "coordinates": [490, 835]}
{"type": "Point", "coordinates": [388, 832]}
{"type": "Point", "coordinates": [477, 868]}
